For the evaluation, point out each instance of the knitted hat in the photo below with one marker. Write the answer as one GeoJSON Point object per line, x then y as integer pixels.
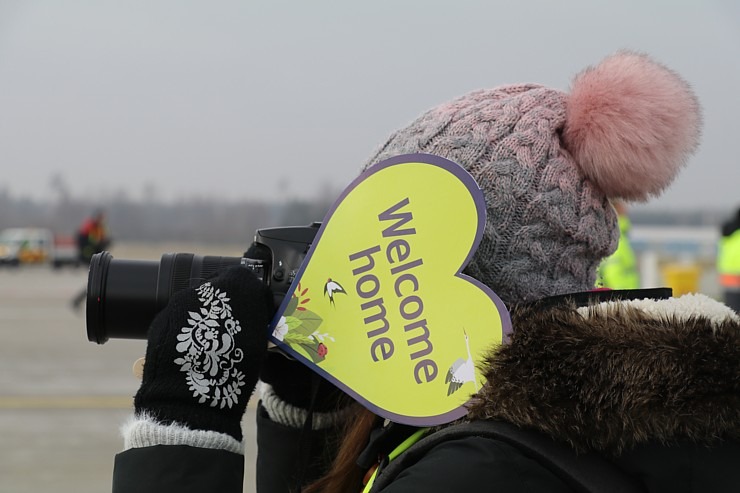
{"type": "Point", "coordinates": [548, 162]}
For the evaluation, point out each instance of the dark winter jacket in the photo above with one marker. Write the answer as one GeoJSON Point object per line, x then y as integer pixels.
{"type": "Point", "coordinates": [649, 388]}
{"type": "Point", "coordinates": [286, 457]}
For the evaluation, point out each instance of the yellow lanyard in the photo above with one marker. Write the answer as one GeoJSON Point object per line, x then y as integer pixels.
{"type": "Point", "coordinates": [418, 434]}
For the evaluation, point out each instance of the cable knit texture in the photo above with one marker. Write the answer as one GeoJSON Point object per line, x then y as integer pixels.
{"type": "Point", "coordinates": [547, 227]}
{"type": "Point", "coordinates": [549, 220]}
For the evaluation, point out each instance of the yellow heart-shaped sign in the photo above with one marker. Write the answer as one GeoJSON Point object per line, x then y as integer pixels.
{"type": "Point", "coordinates": [379, 306]}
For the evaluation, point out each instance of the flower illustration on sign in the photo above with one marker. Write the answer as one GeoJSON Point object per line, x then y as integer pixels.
{"type": "Point", "coordinates": [299, 328]}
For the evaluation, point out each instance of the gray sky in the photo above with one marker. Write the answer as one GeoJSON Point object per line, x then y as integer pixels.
{"type": "Point", "coordinates": [239, 99]}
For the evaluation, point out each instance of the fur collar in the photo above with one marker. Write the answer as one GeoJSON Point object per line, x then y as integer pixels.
{"type": "Point", "coordinates": [613, 375]}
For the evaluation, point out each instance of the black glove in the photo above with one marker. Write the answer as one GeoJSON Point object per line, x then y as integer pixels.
{"type": "Point", "coordinates": [204, 354]}
{"type": "Point", "coordinates": [292, 381]}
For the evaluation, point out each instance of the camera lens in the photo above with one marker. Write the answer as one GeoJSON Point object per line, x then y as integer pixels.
{"type": "Point", "coordinates": [123, 296]}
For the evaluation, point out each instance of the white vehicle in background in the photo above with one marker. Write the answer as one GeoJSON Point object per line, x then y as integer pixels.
{"type": "Point", "coordinates": [25, 246]}
{"type": "Point", "coordinates": [65, 252]}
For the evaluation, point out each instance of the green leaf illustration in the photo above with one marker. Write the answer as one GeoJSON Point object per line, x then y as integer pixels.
{"type": "Point", "coordinates": [310, 321]}
{"type": "Point", "coordinates": [292, 304]}
{"type": "Point", "coordinates": [293, 322]}
{"type": "Point", "coordinates": [294, 337]}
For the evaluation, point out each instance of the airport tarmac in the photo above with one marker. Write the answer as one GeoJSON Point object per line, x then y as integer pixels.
{"type": "Point", "coordinates": [62, 398]}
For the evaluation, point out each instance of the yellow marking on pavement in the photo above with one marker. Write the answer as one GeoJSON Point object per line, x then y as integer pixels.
{"type": "Point", "coordinates": [65, 402]}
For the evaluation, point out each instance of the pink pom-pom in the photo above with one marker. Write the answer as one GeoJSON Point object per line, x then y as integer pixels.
{"type": "Point", "coordinates": [631, 125]}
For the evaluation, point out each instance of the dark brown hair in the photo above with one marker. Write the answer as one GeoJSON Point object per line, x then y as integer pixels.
{"type": "Point", "coordinates": [345, 475]}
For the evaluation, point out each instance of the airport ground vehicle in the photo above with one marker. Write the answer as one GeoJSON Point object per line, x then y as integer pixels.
{"type": "Point", "coordinates": [36, 246]}
{"type": "Point", "coordinates": [25, 245]}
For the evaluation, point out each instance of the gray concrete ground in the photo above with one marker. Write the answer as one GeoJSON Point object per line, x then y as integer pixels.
{"type": "Point", "coordinates": [62, 398]}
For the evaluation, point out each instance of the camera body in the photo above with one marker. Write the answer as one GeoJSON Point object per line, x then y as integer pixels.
{"type": "Point", "coordinates": [124, 296]}
{"type": "Point", "coordinates": [277, 253]}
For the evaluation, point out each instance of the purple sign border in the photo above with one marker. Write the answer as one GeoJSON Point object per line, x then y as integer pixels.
{"type": "Point", "coordinates": [480, 205]}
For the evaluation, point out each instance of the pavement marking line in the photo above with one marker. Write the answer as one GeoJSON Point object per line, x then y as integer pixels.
{"type": "Point", "coordinates": [65, 402]}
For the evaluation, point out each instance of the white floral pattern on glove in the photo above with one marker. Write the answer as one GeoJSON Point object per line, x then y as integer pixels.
{"type": "Point", "coordinates": [209, 350]}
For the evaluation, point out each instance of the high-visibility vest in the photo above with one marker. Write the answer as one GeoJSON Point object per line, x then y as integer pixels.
{"type": "Point", "coordinates": [728, 260]}
{"type": "Point", "coordinates": [619, 270]}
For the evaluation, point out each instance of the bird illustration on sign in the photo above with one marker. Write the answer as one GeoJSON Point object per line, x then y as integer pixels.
{"type": "Point", "coordinates": [461, 371]}
{"type": "Point", "coordinates": [331, 288]}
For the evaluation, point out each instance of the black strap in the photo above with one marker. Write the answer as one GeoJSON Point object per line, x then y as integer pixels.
{"type": "Point", "coordinates": [586, 298]}
{"type": "Point", "coordinates": [584, 473]}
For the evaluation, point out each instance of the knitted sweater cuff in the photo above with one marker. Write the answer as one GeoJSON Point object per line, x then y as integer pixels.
{"type": "Point", "coordinates": [143, 431]}
{"type": "Point", "coordinates": [289, 415]}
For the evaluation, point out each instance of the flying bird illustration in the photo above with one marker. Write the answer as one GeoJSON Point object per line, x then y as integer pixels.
{"type": "Point", "coordinates": [331, 288]}
{"type": "Point", "coordinates": [461, 371]}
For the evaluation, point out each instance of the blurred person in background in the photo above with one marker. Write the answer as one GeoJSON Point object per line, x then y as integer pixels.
{"type": "Point", "coordinates": [728, 261]}
{"type": "Point", "coordinates": [92, 237]}
{"type": "Point", "coordinates": [619, 270]}
{"type": "Point", "coordinates": [639, 389]}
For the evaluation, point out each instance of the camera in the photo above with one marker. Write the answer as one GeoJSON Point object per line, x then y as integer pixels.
{"type": "Point", "coordinates": [123, 296]}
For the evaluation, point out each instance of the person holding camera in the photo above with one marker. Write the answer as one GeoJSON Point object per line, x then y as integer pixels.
{"type": "Point", "coordinates": [595, 391]}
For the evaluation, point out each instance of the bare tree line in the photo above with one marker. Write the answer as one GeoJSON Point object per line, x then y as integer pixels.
{"type": "Point", "coordinates": [215, 221]}
{"type": "Point", "coordinates": [202, 220]}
